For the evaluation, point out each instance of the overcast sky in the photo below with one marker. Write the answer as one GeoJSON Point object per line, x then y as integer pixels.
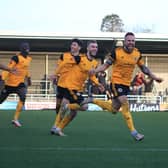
{"type": "Point", "coordinates": [81, 15]}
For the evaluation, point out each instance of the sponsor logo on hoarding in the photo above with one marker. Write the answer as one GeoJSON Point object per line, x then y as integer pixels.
{"type": "Point", "coordinates": [144, 107]}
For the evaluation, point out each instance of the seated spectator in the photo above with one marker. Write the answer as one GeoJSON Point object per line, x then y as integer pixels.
{"type": "Point", "coordinates": [149, 84]}
{"type": "Point", "coordinates": [45, 85]}
{"type": "Point", "coordinates": [138, 83]}
{"type": "Point", "coordinates": [102, 79]}
{"type": "Point", "coordinates": [108, 90]}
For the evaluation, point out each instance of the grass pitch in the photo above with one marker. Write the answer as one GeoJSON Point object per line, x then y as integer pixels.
{"type": "Point", "coordinates": [94, 140]}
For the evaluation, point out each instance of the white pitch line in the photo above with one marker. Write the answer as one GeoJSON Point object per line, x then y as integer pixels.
{"type": "Point", "coordinates": [83, 149]}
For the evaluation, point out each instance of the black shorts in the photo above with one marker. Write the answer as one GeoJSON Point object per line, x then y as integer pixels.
{"type": "Point", "coordinates": [72, 95]}
{"type": "Point", "coordinates": [61, 92]}
{"type": "Point", "coordinates": [119, 90]}
{"type": "Point", "coordinates": [20, 90]}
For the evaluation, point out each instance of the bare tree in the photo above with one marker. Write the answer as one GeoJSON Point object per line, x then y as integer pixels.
{"type": "Point", "coordinates": [112, 23]}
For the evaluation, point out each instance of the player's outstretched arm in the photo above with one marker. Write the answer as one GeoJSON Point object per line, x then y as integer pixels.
{"type": "Point", "coordinates": [4, 67]}
{"type": "Point", "coordinates": [147, 71]}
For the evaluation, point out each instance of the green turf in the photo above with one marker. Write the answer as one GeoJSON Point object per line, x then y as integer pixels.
{"type": "Point", "coordinates": [95, 140]}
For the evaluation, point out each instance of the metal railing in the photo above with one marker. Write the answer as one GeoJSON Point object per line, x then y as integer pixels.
{"type": "Point", "coordinates": [45, 91]}
{"type": "Point", "coordinates": [131, 98]}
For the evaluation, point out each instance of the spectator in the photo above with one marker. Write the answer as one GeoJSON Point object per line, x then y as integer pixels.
{"type": "Point", "coordinates": [45, 85]}
{"type": "Point", "coordinates": [149, 84]}
{"type": "Point", "coordinates": [138, 83]}
{"type": "Point", "coordinates": [108, 90]}
{"type": "Point", "coordinates": [102, 79]}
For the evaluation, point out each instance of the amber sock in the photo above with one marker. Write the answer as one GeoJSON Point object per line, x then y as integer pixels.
{"type": "Point", "coordinates": [127, 116]}
{"type": "Point", "coordinates": [18, 110]}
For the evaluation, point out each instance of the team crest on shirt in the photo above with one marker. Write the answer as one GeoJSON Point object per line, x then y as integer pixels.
{"type": "Point", "coordinates": [78, 94]}
{"type": "Point", "coordinates": [135, 58]}
{"type": "Point", "coordinates": [120, 90]}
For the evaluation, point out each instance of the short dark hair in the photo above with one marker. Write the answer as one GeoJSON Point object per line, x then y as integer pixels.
{"type": "Point", "coordinates": [24, 43]}
{"type": "Point", "coordinates": [129, 34]}
{"type": "Point", "coordinates": [79, 42]}
{"type": "Point", "coordinates": [91, 41]}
